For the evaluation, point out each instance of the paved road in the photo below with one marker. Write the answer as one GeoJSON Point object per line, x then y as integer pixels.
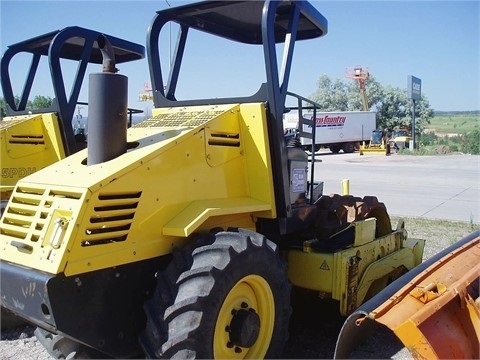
{"type": "Point", "coordinates": [433, 187]}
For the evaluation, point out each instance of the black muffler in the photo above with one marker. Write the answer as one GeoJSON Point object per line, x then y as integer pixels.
{"type": "Point", "coordinates": [107, 109]}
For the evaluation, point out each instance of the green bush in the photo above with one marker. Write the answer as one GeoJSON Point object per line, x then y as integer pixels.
{"type": "Point", "coordinates": [458, 139]}
{"type": "Point", "coordinates": [454, 148]}
{"type": "Point", "coordinates": [428, 138]}
{"type": "Point", "coordinates": [471, 144]}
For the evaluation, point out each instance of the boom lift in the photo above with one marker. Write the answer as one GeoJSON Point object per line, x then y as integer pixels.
{"type": "Point", "coordinates": [176, 244]}
{"type": "Point", "coordinates": [379, 143]}
{"type": "Point", "coordinates": [32, 140]}
{"type": "Point", "coordinates": [359, 74]}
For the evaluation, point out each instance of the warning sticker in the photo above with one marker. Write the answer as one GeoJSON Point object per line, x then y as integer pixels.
{"type": "Point", "coordinates": [324, 265]}
{"type": "Point", "coordinates": [298, 181]}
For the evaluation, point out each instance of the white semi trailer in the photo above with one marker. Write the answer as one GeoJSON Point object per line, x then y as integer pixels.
{"type": "Point", "coordinates": [335, 130]}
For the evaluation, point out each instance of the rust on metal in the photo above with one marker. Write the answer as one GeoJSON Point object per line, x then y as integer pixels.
{"type": "Point", "coordinates": [435, 311]}
{"type": "Point", "coordinates": [352, 281]}
{"type": "Point", "coordinates": [429, 292]}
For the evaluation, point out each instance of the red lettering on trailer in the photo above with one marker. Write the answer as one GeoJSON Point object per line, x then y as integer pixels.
{"type": "Point", "coordinates": [330, 120]}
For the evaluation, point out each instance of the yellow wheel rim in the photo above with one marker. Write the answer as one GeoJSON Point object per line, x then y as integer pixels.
{"type": "Point", "coordinates": [252, 293]}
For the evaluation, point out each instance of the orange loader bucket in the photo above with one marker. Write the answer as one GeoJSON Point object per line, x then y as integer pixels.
{"type": "Point", "coordinates": [434, 309]}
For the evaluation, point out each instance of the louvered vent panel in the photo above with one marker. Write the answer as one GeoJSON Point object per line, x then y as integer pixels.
{"type": "Point", "coordinates": [27, 212]}
{"type": "Point", "coordinates": [112, 218]}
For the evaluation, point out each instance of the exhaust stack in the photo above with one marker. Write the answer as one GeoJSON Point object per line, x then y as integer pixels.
{"type": "Point", "coordinates": [108, 107]}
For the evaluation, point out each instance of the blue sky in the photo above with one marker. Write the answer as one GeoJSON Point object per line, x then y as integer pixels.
{"type": "Point", "coordinates": [436, 41]}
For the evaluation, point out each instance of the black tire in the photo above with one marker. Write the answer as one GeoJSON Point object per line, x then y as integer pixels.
{"type": "Point", "coordinates": [348, 148]}
{"type": "Point", "coordinates": [60, 347]}
{"type": "Point", "coordinates": [156, 329]}
{"type": "Point", "coordinates": [234, 301]}
{"type": "Point", "coordinates": [335, 149]}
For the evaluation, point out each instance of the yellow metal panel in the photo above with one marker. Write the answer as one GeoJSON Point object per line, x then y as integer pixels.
{"type": "Point", "coordinates": [347, 274]}
{"type": "Point", "coordinates": [414, 341]}
{"type": "Point", "coordinates": [123, 205]}
{"type": "Point", "coordinates": [28, 223]}
{"type": "Point", "coordinates": [364, 231]}
{"type": "Point", "coordinates": [384, 266]}
{"type": "Point", "coordinates": [199, 211]}
{"type": "Point", "coordinates": [54, 137]}
{"type": "Point", "coordinates": [28, 144]}
{"type": "Point", "coordinates": [374, 151]}
{"type": "Point", "coordinates": [257, 155]}
{"type": "Point", "coordinates": [311, 270]}
{"type": "Point", "coordinates": [223, 142]}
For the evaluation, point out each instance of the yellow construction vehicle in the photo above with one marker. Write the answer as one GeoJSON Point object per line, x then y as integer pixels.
{"type": "Point", "coordinates": [33, 139]}
{"type": "Point", "coordinates": [182, 236]}
{"type": "Point", "coordinates": [378, 144]}
{"type": "Point", "coordinates": [400, 138]}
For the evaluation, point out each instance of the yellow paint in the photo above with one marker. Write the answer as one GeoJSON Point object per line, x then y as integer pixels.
{"type": "Point", "coordinates": [327, 272]}
{"type": "Point", "coordinates": [28, 143]}
{"type": "Point", "coordinates": [254, 291]}
{"type": "Point", "coordinates": [185, 170]}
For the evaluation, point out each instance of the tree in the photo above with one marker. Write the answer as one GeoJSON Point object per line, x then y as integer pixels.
{"type": "Point", "coordinates": [3, 108]}
{"type": "Point", "coordinates": [374, 92]}
{"type": "Point", "coordinates": [393, 107]}
{"type": "Point", "coordinates": [40, 102]}
{"type": "Point", "coordinates": [331, 95]}
{"type": "Point", "coordinates": [395, 110]}
{"type": "Point", "coordinates": [471, 145]}
{"type": "Point", "coordinates": [423, 113]}
{"type": "Point", "coordinates": [340, 96]}
{"type": "Point", "coordinates": [3, 105]}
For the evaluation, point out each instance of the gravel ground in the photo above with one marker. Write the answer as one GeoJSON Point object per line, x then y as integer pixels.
{"type": "Point", "coordinates": [314, 325]}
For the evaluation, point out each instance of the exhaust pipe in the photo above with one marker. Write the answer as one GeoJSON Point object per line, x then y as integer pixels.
{"type": "Point", "coordinates": [107, 54]}
{"type": "Point", "coordinates": [108, 109]}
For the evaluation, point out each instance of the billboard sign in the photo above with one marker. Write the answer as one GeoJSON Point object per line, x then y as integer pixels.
{"type": "Point", "coordinates": [414, 88]}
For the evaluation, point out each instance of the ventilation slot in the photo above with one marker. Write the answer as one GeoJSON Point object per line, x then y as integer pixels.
{"type": "Point", "coordinates": [26, 216]}
{"type": "Point", "coordinates": [112, 219]}
{"type": "Point", "coordinates": [29, 190]}
{"type": "Point", "coordinates": [65, 194]}
{"type": "Point", "coordinates": [223, 139]}
{"type": "Point", "coordinates": [27, 139]}
{"type": "Point", "coordinates": [104, 241]}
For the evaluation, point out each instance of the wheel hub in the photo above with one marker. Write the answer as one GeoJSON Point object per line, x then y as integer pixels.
{"type": "Point", "coordinates": [244, 328]}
